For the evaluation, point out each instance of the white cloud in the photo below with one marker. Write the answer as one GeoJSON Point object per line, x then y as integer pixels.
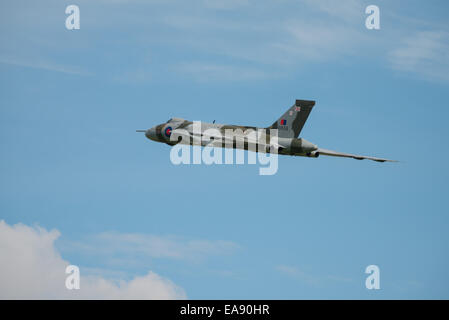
{"type": "Point", "coordinates": [31, 268]}
{"type": "Point", "coordinates": [44, 65]}
{"type": "Point", "coordinates": [310, 31]}
{"type": "Point", "coordinates": [296, 273]}
{"type": "Point", "coordinates": [425, 53]}
{"type": "Point", "coordinates": [315, 32]}
{"type": "Point", "coordinates": [310, 279]}
{"type": "Point", "coordinates": [345, 10]}
{"type": "Point", "coordinates": [129, 246]}
{"type": "Point", "coordinates": [225, 5]}
{"type": "Point", "coordinates": [212, 40]}
{"type": "Point", "coordinates": [205, 72]}
{"type": "Point", "coordinates": [308, 41]}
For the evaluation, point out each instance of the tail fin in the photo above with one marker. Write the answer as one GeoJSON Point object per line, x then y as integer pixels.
{"type": "Point", "coordinates": [292, 121]}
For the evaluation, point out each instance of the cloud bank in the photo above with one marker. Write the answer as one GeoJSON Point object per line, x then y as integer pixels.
{"type": "Point", "coordinates": [222, 41]}
{"type": "Point", "coordinates": [32, 268]}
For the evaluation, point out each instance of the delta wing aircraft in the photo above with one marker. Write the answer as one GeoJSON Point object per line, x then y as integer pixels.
{"type": "Point", "coordinates": [289, 126]}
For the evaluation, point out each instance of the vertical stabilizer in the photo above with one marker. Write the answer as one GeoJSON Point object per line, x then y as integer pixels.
{"type": "Point", "coordinates": [292, 121]}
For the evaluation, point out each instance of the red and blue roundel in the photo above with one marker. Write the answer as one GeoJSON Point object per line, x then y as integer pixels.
{"type": "Point", "coordinates": [168, 131]}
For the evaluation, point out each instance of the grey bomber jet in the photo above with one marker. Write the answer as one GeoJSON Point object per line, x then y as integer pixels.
{"type": "Point", "coordinates": [289, 126]}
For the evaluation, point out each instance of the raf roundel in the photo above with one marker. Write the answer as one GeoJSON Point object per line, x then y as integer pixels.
{"type": "Point", "coordinates": [168, 131]}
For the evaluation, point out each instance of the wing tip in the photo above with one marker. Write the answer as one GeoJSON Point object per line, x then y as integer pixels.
{"type": "Point", "coordinates": [385, 160]}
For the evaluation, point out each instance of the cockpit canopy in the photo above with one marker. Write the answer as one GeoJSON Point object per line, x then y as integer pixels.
{"type": "Point", "coordinates": [175, 120]}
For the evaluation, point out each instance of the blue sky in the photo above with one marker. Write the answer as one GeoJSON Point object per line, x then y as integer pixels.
{"type": "Point", "coordinates": [72, 161]}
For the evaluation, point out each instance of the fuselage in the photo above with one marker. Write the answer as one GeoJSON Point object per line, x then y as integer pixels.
{"type": "Point", "coordinates": [177, 130]}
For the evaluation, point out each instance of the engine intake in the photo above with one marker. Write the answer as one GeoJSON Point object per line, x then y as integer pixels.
{"type": "Point", "coordinates": [299, 146]}
{"type": "Point", "coordinates": [313, 154]}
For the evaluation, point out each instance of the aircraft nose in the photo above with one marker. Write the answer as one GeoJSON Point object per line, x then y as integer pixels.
{"type": "Point", "coordinates": [151, 133]}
